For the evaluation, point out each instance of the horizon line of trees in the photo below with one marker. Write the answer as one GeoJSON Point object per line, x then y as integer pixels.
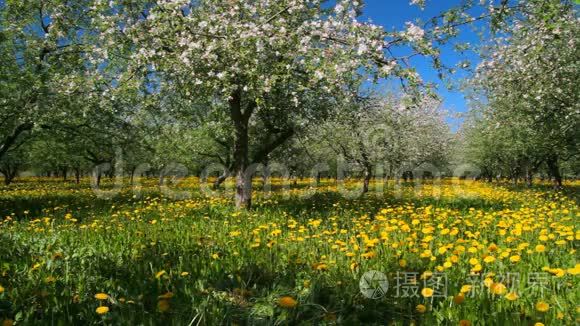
{"type": "Point", "coordinates": [234, 83]}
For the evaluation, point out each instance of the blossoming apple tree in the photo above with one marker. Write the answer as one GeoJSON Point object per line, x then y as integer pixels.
{"type": "Point", "coordinates": [528, 80]}
{"type": "Point", "coordinates": [241, 53]}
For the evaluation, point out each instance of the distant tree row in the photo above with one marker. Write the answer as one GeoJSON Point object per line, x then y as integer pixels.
{"type": "Point", "coordinates": [143, 87]}
{"type": "Point", "coordinates": [526, 121]}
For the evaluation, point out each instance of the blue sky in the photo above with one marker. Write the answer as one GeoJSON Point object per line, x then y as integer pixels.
{"type": "Point", "coordinates": [392, 14]}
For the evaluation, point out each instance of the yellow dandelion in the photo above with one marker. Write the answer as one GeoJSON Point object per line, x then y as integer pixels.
{"type": "Point", "coordinates": [515, 258]}
{"type": "Point", "coordinates": [489, 259]}
{"type": "Point", "coordinates": [369, 255]}
{"type": "Point", "coordinates": [163, 305]}
{"type": "Point", "coordinates": [287, 302]}
{"type": "Point", "coordinates": [160, 273]}
{"type": "Point", "coordinates": [464, 322]}
{"type": "Point", "coordinates": [465, 289]}
{"type": "Point", "coordinates": [458, 299]}
{"type": "Point", "coordinates": [102, 310]}
{"type": "Point", "coordinates": [542, 306]}
{"type": "Point", "coordinates": [558, 272]}
{"type": "Point", "coordinates": [101, 296]}
{"type": "Point", "coordinates": [575, 270]}
{"type": "Point", "coordinates": [477, 268]}
{"type": "Point", "coordinates": [421, 308]}
{"type": "Point", "coordinates": [167, 295]}
{"type": "Point", "coordinates": [512, 296]}
{"type": "Point", "coordinates": [498, 288]}
{"type": "Point", "coordinates": [540, 248]}
{"type": "Point", "coordinates": [320, 266]}
{"type": "Point", "coordinates": [427, 292]}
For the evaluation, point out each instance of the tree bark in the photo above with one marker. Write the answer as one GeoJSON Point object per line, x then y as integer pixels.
{"type": "Point", "coordinates": [13, 137]}
{"type": "Point", "coordinates": [8, 176]}
{"type": "Point", "coordinates": [367, 178]}
{"type": "Point", "coordinates": [529, 177]}
{"type": "Point", "coordinates": [132, 174]}
{"type": "Point", "coordinates": [554, 169]}
{"type": "Point", "coordinates": [220, 180]}
{"type": "Point", "coordinates": [240, 119]}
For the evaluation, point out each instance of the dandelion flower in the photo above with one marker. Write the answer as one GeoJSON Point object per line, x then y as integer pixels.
{"type": "Point", "coordinates": [512, 296]}
{"type": "Point", "coordinates": [102, 310]}
{"type": "Point", "coordinates": [159, 274]}
{"type": "Point", "coordinates": [542, 306]}
{"type": "Point", "coordinates": [320, 267]}
{"type": "Point", "coordinates": [163, 305]}
{"type": "Point", "coordinates": [458, 299]}
{"type": "Point", "coordinates": [498, 288]}
{"type": "Point", "coordinates": [489, 259]}
{"type": "Point", "coordinates": [465, 288]}
{"type": "Point", "coordinates": [421, 308]}
{"type": "Point", "coordinates": [167, 295]}
{"type": "Point", "coordinates": [464, 322]}
{"type": "Point", "coordinates": [540, 248]}
{"type": "Point", "coordinates": [427, 292]}
{"type": "Point", "coordinates": [515, 259]}
{"type": "Point", "coordinates": [101, 296]}
{"type": "Point", "coordinates": [287, 302]}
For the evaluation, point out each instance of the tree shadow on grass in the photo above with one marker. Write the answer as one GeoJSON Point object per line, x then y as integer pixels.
{"type": "Point", "coordinates": [327, 203]}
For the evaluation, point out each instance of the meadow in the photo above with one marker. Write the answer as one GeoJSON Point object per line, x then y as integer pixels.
{"type": "Point", "coordinates": [454, 252]}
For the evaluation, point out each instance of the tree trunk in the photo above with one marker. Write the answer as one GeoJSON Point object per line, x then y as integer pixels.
{"type": "Point", "coordinates": [554, 169]}
{"type": "Point", "coordinates": [78, 175]}
{"type": "Point", "coordinates": [11, 139]}
{"type": "Point", "coordinates": [265, 173]}
{"type": "Point", "coordinates": [240, 120]}
{"type": "Point", "coordinates": [7, 177]}
{"type": "Point", "coordinates": [367, 179]}
{"type": "Point", "coordinates": [10, 172]}
{"type": "Point", "coordinates": [243, 189]}
{"type": "Point", "coordinates": [132, 174]}
{"type": "Point", "coordinates": [529, 177]}
{"type": "Point", "coordinates": [221, 179]}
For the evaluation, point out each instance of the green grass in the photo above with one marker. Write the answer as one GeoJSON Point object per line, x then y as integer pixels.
{"type": "Point", "coordinates": [135, 249]}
